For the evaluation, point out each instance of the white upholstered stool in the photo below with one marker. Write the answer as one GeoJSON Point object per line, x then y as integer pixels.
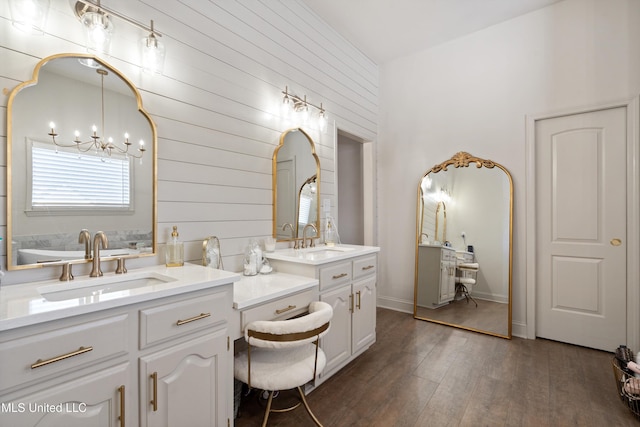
{"type": "Point", "coordinates": [284, 354]}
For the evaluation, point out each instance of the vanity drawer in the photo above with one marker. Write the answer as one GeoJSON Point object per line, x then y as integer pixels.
{"type": "Point", "coordinates": [281, 309]}
{"type": "Point", "coordinates": [448, 254]}
{"type": "Point", "coordinates": [335, 274]}
{"type": "Point", "coordinates": [364, 266]}
{"type": "Point", "coordinates": [164, 322]}
{"type": "Point", "coordinates": [58, 350]}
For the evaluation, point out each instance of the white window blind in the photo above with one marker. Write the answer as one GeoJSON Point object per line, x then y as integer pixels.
{"type": "Point", "coordinates": [68, 179]}
{"type": "Point", "coordinates": [305, 208]}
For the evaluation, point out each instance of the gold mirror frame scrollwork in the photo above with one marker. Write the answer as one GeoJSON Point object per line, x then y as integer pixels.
{"type": "Point", "coordinates": [464, 160]}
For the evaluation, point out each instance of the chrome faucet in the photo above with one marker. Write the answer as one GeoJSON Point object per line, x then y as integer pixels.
{"type": "Point", "coordinates": [85, 237]}
{"type": "Point", "coordinates": [98, 239]}
{"type": "Point", "coordinates": [304, 235]}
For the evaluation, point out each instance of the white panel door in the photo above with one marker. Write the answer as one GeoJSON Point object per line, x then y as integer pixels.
{"type": "Point", "coordinates": [581, 230]}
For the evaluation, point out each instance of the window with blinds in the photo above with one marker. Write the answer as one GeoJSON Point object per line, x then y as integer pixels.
{"type": "Point", "coordinates": [69, 180]}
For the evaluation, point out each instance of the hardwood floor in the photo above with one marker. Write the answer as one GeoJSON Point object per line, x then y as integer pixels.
{"type": "Point", "coordinates": [423, 374]}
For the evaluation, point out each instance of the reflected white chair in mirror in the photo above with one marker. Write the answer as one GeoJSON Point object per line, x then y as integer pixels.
{"type": "Point", "coordinates": [284, 354]}
{"type": "Point", "coordinates": [466, 279]}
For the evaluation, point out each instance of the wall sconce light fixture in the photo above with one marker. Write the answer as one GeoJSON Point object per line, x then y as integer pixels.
{"type": "Point", "coordinates": [29, 15]}
{"type": "Point", "coordinates": [98, 29]}
{"type": "Point", "coordinates": [293, 103]}
{"type": "Point", "coordinates": [97, 21]}
{"type": "Point", "coordinates": [152, 53]}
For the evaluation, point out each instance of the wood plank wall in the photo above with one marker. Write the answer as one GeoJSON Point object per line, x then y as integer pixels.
{"type": "Point", "coordinates": [216, 106]}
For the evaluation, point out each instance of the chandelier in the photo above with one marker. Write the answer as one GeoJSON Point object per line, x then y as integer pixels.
{"type": "Point", "coordinates": [96, 142]}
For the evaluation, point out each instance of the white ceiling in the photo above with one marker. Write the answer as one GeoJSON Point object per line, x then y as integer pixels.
{"type": "Point", "coordinates": [387, 29]}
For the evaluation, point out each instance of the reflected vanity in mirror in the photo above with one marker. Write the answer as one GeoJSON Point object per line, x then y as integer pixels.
{"type": "Point", "coordinates": [81, 154]}
{"type": "Point", "coordinates": [296, 182]}
{"type": "Point", "coordinates": [463, 245]}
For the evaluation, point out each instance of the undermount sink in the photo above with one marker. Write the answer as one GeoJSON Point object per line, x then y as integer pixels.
{"type": "Point", "coordinates": [328, 249]}
{"type": "Point", "coordinates": [315, 254]}
{"type": "Point", "coordinates": [102, 288]}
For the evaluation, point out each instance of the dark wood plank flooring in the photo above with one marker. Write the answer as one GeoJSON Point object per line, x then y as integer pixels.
{"type": "Point", "coordinates": [424, 374]}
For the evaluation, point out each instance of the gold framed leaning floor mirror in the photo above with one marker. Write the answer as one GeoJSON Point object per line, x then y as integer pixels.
{"type": "Point", "coordinates": [81, 154]}
{"type": "Point", "coordinates": [464, 233]}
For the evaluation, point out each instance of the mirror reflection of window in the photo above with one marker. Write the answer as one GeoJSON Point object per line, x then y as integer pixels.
{"type": "Point", "coordinates": [62, 179]}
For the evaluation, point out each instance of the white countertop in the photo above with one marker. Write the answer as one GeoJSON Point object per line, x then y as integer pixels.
{"type": "Point", "coordinates": [23, 305]}
{"type": "Point", "coordinates": [253, 290]}
{"type": "Point", "coordinates": [321, 254]}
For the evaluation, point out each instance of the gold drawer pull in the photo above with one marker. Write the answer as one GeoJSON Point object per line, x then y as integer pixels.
{"type": "Point", "coordinates": [79, 351]}
{"type": "Point", "coordinates": [154, 401]}
{"type": "Point", "coordinates": [368, 267]}
{"type": "Point", "coordinates": [122, 403]}
{"type": "Point", "coordinates": [338, 276]}
{"type": "Point", "coordinates": [193, 319]}
{"type": "Point", "coordinates": [359, 295]}
{"type": "Point", "coordinates": [284, 310]}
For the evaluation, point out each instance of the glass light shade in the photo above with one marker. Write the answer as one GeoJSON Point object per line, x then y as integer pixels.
{"type": "Point", "coordinates": [29, 15]}
{"type": "Point", "coordinates": [286, 107]}
{"type": "Point", "coordinates": [152, 54]}
{"type": "Point", "coordinates": [98, 30]}
{"type": "Point", "coordinates": [322, 121]}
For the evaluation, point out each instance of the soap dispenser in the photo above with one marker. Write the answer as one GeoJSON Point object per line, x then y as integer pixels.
{"type": "Point", "coordinates": [331, 234]}
{"type": "Point", "coordinates": [174, 250]}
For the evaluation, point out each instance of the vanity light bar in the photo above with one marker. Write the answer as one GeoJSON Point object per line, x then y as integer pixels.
{"type": "Point", "coordinates": [301, 103]}
{"type": "Point", "coordinates": [83, 6]}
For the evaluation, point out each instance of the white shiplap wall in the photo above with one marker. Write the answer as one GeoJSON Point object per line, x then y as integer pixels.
{"type": "Point", "coordinates": [216, 106]}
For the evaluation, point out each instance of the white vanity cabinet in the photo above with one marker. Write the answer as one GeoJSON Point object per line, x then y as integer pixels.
{"type": "Point", "coordinates": [161, 362]}
{"type": "Point", "coordinates": [187, 377]}
{"type": "Point", "coordinates": [349, 285]}
{"type": "Point", "coordinates": [436, 276]}
{"type": "Point", "coordinates": [71, 372]}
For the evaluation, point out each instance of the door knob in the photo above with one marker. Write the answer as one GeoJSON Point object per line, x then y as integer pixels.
{"type": "Point", "coordinates": [616, 242]}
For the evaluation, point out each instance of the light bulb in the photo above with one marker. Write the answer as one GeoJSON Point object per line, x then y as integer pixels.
{"type": "Point", "coordinates": [153, 53]}
{"type": "Point", "coordinates": [98, 30]}
{"type": "Point", "coordinates": [29, 15]}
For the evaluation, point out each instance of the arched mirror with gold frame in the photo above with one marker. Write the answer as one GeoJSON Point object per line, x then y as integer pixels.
{"type": "Point", "coordinates": [296, 185]}
{"type": "Point", "coordinates": [77, 92]}
{"type": "Point", "coordinates": [464, 280]}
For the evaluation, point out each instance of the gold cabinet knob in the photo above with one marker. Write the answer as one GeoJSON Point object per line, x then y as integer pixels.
{"type": "Point", "coordinates": [616, 242]}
